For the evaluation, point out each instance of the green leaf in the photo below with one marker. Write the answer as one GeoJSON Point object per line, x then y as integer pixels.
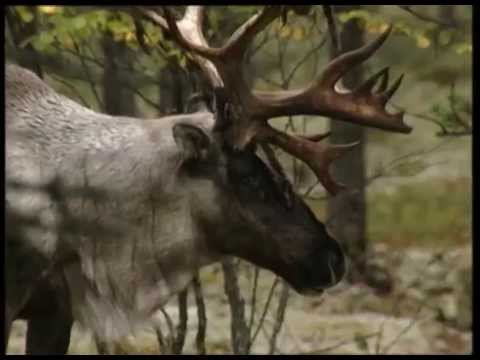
{"type": "Point", "coordinates": [25, 14]}
{"type": "Point", "coordinates": [183, 62]}
{"type": "Point", "coordinates": [445, 37]}
{"type": "Point", "coordinates": [97, 19]}
{"type": "Point", "coordinates": [27, 41]}
{"type": "Point", "coordinates": [64, 39]}
{"type": "Point", "coordinates": [354, 14]}
{"type": "Point", "coordinates": [464, 48]}
{"type": "Point", "coordinates": [79, 22]}
{"type": "Point", "coordinates": [43, 40]}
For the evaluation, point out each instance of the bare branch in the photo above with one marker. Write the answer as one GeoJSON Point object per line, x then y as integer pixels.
{"type": "Point", "coordinates": [238, 325]}
{"type": "Point", "coordinates": [280, 316]}
{"type": "Point", "coordinates": [332, 27]}
{"type": "Point", "coordinates": [202, 316]}
{"type": "Point", "coordinates": [264, 312]}
{"type": "Point", "coordinates": [456, 116]}
{"type": "Point", "coordinates": [427, 18]}
{"type": "Point", "coordinates": [71, 87]}
{"type": "Point", "coordinates": [312, 51]}
{"type": "Point", "coordinates": [239, 41]}
{"type": "Point", "coordinates": [162, 343]}
{"type": "Point", "coordinates": [411, 323]}
{"type": "Point", "coordinates": [177, 346]}
{"type": "Point", "coordinates": [455, 133]}
{"type": "Point", "coordinates": [87, 73]}
{"type": "Point", "coordinates": [145, 99]}
{"type": "Point", "coordinates": [140, 34]}
{"type": "Point", "coordinates": [340, 343]}
{"type": "Point", "coordinates": [253, 302]}
{"type": "Point", "coordinates": [169, 321]}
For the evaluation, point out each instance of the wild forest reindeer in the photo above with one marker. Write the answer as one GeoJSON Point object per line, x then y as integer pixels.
{"type": "Point", "coordinates": [114, 215]}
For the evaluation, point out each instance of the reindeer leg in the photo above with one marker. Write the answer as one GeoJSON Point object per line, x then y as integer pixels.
{"type": "Point", "coordinates": [49, 333]}
{"type": "Point", "coordinates": [49, 318]}
{"type": "Point", "coordinates": [22, 269]}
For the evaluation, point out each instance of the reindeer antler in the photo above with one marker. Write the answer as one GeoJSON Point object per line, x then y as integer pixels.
{"type": "Point", "coordinates": [224, 68]}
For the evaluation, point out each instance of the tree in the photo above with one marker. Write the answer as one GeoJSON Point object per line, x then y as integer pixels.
{"type": "Point", "coordinates": [117, 99]}
{"type": "Point", "coordinates": [346, 213]}
{"type": "Point", "coordinates": [20, 31]}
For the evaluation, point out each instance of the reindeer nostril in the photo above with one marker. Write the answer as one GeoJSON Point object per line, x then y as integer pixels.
{"type": "Point", "coordinates": [333, 259]}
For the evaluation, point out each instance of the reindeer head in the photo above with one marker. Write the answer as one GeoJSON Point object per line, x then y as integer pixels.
{"type": "Point", "coordinates": [264, 221]}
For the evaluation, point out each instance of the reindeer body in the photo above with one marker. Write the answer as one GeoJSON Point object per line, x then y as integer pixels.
{"type": "Point", "coordinates": [144, 208]}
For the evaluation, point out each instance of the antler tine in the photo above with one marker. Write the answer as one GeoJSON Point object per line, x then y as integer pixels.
{"type": "Point", "coordinates": [316, 137]}
{"type": "Point", "coordinates": [190, 35]}
{"type": "Point", "coordinates": [342, 64]}
{"type": "Point", "coordinates": [384, 84]}
{"type": "Point", "coordinates": [361, 106]}
{"type": "Point", "coordinates": [316, 155]}
{"type": "Point", "coordinates": [387, 95]}
{"type": "Point", "coordinates": [367, 86]}
{"type": "Point", "coordinates": [243, 36]}
{"type": "Point", "coordinates": [153, 16]}
{"type": "Point", "coordinates": [248, 111]}
{"type": "Point", "coordinates": [192, 20]}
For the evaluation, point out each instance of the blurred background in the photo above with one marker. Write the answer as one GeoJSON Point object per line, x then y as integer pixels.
{"type": "Point", "coordinates": [405, 221]}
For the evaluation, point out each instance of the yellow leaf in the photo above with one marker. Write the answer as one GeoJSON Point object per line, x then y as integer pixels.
{"type": "Point", "coordinates": [445, 37]}
{"type": "Point", "coordinates": [373, 28]}
{"type": "Point", "coordinates": [285, 31]}
{"type": "Point", "coordinates": [68, 43]}
{"type": "Point", "coordinates": [298, 33]}
{"type": "Point", "coordinates": [423, 42]}
{"type": "Point", "coordinates": [25, 14]}
{"type": "Point", "coordinates": [129, 36]}
{"type": "Point", "coordinates": [48, 9]}
{"type": "Point", "coordinates": [383, 27]}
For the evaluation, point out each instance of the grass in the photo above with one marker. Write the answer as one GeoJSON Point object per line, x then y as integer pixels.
{"type": "Point", "coordinates": [427, 214]}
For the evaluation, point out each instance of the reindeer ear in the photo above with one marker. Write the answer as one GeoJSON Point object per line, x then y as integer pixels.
{"type": "Point", "coordinates": [193, 142]}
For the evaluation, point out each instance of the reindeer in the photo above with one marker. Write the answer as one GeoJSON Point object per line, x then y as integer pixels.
{"type": "Point", "coordinates": [108, 217]}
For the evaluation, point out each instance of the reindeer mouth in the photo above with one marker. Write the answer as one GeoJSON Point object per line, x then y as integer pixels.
{"type": "Point", "coordinates": [316, 291]}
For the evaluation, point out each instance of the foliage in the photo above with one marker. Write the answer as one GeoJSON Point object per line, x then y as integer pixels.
{"type": "Point", "coordinates": [71, 32]}
{"type": "Point", "coordinates": [425, 35]}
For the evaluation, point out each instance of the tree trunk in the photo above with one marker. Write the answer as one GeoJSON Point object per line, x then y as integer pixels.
{"type": "Point", "coordinates": [346, 213]}
{"type": "Point", "coordinates": [117, 99]}
{"type": "Point", "coordinates": [173, 89]}
{"type": "Point", "coordinates": [21, 31]}
{"type": "Point", "coordinates": [447, 13]}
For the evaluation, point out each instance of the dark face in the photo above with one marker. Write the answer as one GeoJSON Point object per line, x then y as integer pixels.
{"type": "Point", "coordinates": [260, 223]}
{"type": "Point", "coordinates": [266, 228]}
